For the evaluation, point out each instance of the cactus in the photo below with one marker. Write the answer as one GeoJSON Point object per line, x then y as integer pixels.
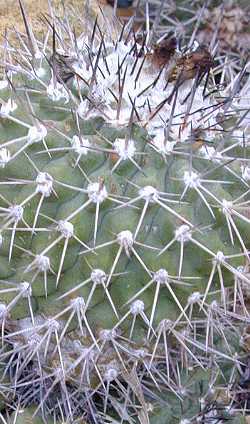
{"type": "Point", "coordinates": [224, 26]}
{"type": "Point", "coordinates": [124, 200]}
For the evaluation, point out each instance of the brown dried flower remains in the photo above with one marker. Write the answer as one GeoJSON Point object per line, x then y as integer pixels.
{"type": "Point", "coordinates": [164, 51]}
{"type": "Point", "coordinates": [193, 64]}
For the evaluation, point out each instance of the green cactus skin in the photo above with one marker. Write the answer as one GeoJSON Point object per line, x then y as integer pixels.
{"type": "Point", "coordinates": [124, 202]}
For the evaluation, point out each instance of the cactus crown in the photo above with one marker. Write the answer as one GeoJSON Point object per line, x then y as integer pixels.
{"type": "Point", "coordinates": [124, 176]}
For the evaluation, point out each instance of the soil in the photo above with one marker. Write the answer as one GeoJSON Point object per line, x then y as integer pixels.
{"type": "Point", "coordinates": [10, 15]}
{"type": "Point", "coordinates": [11, 18]}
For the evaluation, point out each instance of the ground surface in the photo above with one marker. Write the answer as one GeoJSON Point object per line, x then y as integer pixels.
{"type": "Point", "coordinates": [10, 16]}
{"type": "Point", "coordinates": [10, 13]}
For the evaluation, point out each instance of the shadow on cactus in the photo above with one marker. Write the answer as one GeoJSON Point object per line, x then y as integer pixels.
{"type": "Point", "coordinates": [124, 228]}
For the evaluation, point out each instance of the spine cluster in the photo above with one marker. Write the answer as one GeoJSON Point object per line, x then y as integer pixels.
{"type": "Point", "coordinates": [124, 233]}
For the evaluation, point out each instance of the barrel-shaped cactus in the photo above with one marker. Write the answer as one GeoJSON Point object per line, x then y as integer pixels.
{"type": "Point", "coordinates": [124, 199]}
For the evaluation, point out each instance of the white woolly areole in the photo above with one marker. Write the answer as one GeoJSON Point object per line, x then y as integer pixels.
{"type": "Point", "coordinates": [161, 276]}
{"type": "Point", "coordinates": [37, 133]}
{"type": "Point", "coordinates": [3, 310]}
{"type": "Point", "coordinates": [4, 157]}
{"type": "Point", "coordinates": [52, 324]}
{"type": "Point", "coordinates": [214, 305]}
{"type": "Point", "coordinates": [191, 179]}
{"type": "Point", "coordinates": [121, 50]}
{"type": "Point", "coordinates": [15, 69]}
{"type": "Point", "coordinates": [210, 153]}
{"type": "Point", "coordinates": [140, 353]}
{"type": "Point", "coordinates": [44, 183]}
{"type": "Point", "coordinates": [183, 233]}
{"type": "Point", "coordinates": [83, 109]}
{"type": "Point", "coordinates": [97, 192]}
{"type": "Point", "coordinates": [34, 340]}
{"type": "Point", "coordinates": [3, 84]}
{"type": "Point", "coordinates": [16, 212]}
{"type": "Point", "coordinates": [77, 303]}
{"type": "Point", "coordinates": [98, 276]}
{"type": "Point", "coordinates": [80, 145]}
{"type": "Point", "coordinates": [110, 374]}
{"type": "Point", "coordinates": [163, 146]}
{"type": "Point", "coordinates": [82, 42]}
{"type": "Point", "coordinates": [56, 92]}
{"type": "Point", "coordinates": [124, 148]}
{"type": "Point", "coordinates": [66, 228]}
{"type": "Point", "coordinates": [1, 240]}
{"type": "Point", "coordinates": [25, 289]}
{"type": "Point", "coordinates": [241, 268]}
{"type": "Point", "coordinates": [125, 239]}
{"type": "Point", "coordinates": [38, 54]}
{"type": "Point", "coordinates": [244, 140]}
{"type": "Point", "coordinates": [85, 352]}
{"type": "Point", "coordinates": [165, 324]}
{"type": "Point", "coordinates": [219, 257]}
{"type": "Point", "coordinates": [123, 119]}
{"type": "Point", "coordinates": [227, 207]}
{"type": "Point", "coordinates": [185, 421]}
{"type": "Point", "coordinates": [137, 307]}
{"type": "Point", "coordinates": [245, 172]}
{"type": "Point", "coordinates": [107, 335]}
{"type": "Point", "coordinates": [99, 94]}
{"type": "Point", "coordinates": [149, 193]}
{"type": "Point", "coordinates": [42, 263]}
{"type": "Point", "coordinates": [194, 298]}
{"type": "Point", "coordinates": [40, 72]}
{"type": "Point", "coordinates": [7, 108]}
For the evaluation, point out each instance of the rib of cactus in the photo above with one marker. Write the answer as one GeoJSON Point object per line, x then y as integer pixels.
{"type": "Point", "coordinates": [124, 200]}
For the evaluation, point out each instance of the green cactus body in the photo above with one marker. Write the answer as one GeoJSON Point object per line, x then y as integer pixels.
{"type": "Point", "coordinates": [124, 233]}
